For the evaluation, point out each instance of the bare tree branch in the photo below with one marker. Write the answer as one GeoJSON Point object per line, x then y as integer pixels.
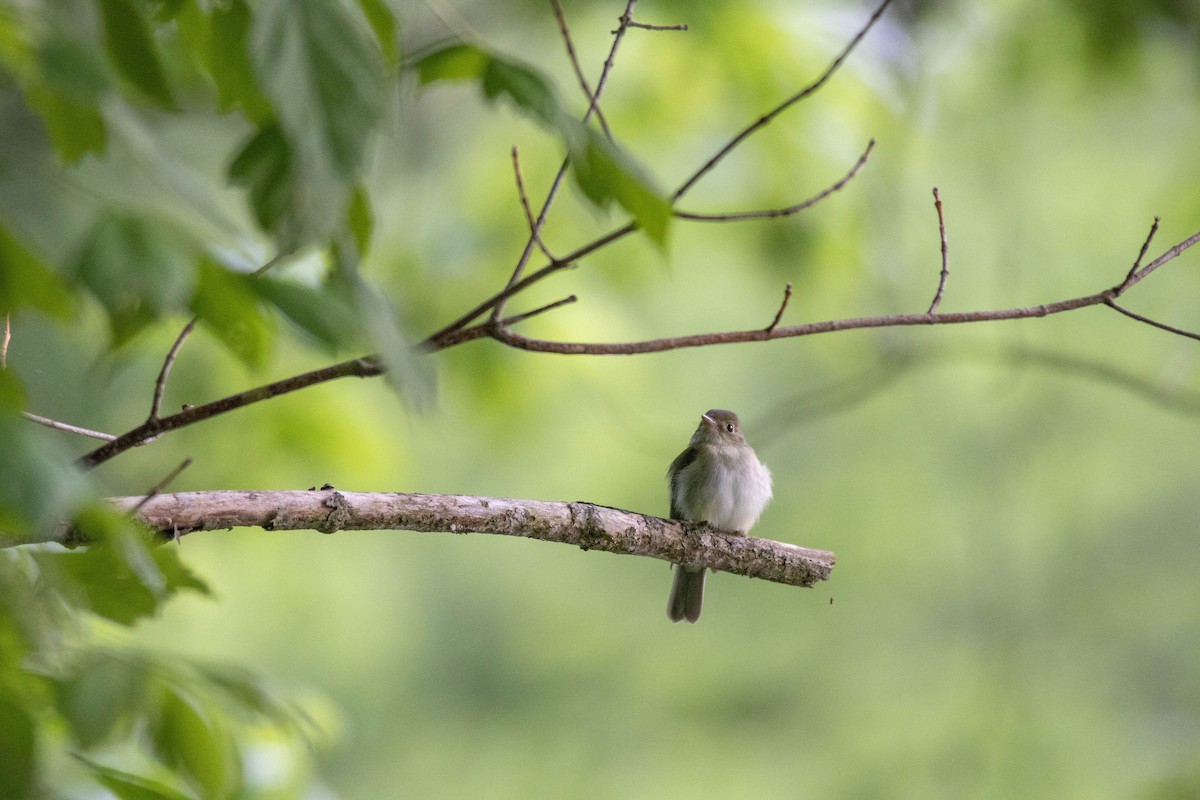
{"type": "Point", "coordinates": [585, 525]}
{"type": "Point", "coordinates": [369, 366]}
{"type": "Point", "coordinates": [765, 119]}
{"type": "Point", "coordinates": [941, 287]}
{"type": "Point", "coordinates": [1106, 297]}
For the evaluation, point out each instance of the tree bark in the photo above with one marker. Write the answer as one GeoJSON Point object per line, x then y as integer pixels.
{"type": "Point", "coordinates": [585, 525]}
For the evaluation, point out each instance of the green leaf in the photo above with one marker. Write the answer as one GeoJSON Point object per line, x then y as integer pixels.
{"type": "Point", "coordinates": [190, 737]}
{"type": "Point", "coordinates": [12, 394]}
{"type": "Point", "coordinates": [455, 63]}
{"type": "Point", "coordinates": [120, 577]}
{"type": "Point", "coordinates": [26, 282]}
{"type": "Point", "coordinates": [324, 315]}
{"type": "Point", "coordinates": [39, 483]}
{"type": "Point", "coordinates": [529, 90]}
{"type": "Point", "coordinates": [227, 303]}
{"type": "Point", "coordinates": [139, 270]}
{"type": "Point", "coordinates": [18, 749]}
{"type": "Point", "coordinates": [250, 695]}
{"type": "Point", "coordinates": [130, 46]}
{"type": "Point", "coordinates": [102, 690]}
{"type": "Point", "coordinates": [75, 127]}
{"type": "Point", "coordinates": [324, 76]}
{"type": "Point", "coordinates": [127, 786]}
{"type": "Point", "coordinates": [175, 572]}
{"type": "Point", "coordinates": [408, 371]}
{"type": "Point", "coordinates": [383, 25]}
{"type": "Point", "coordinates": [229, 60]}
{"type": "Point", "coordinates": [606, 173]}
{"type": "Point", "coordinates": [264, 167]}
{"type": "Point", "coordinates": [65, 89]}
{"type": "Point", "coordinates": [497, 77]}
{"type": "Point", "coordinates": [360, 219]}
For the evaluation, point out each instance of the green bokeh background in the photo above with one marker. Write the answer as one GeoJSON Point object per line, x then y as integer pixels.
{"type": "Point", "coordinates": [1015, 611]}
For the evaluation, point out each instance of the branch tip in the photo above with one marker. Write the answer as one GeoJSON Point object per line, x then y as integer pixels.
{"type": "Point", "coordinates": [787, 295]}
{"type": "Point", "coordinates": [945, 273]}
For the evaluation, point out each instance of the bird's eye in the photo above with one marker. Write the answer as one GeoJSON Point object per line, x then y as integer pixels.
{"type": "Point", "coordinates": [729, 427]}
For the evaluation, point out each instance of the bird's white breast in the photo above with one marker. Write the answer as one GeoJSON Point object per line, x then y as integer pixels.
{"type": "Point", "coordinates": [734, 490]}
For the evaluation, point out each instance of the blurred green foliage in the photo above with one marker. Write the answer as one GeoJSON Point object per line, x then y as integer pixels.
{"type": "Point", "coordinates": [1014, 611]}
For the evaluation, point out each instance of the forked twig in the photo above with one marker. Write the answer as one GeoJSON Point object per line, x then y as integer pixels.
{"type": "Point", "coordinates": [765, 119]}
{"type": "Point", "coordinates": [574, 59]}
{"type": "Point", "coordinates": [1137, 263]}
{"type": "Point", "coordinates": [496, 302]}
{"type": "Point", "coordinates": [160, 384]}
{"type": "Point", "coordinates": [772, 213]}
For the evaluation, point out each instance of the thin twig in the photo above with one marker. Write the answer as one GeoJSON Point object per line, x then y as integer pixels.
{"type": "Point", "coordinates": [789, 210]}
{"type": "Point", "coordinates": [1160, 325]}
{"type": "Point", "coordinates": [160, 384]}
{"type": "Point", "coordinates": [583, 82]}
{"type": "Point", "coordinates": [787, 295]}
{"type": "Point", "coordinates": [534, 227]}
{"type": "Point", "coordinates": [1137, 264]}
{"type": "Point", "coordinates": [62, 426]}
{"type": "Point", "coordinates": [484, 329]}
{"type": "Point", "coordinates": [158, 487]}
{"type": "Point", "coordinates": [941, 287]}
{"type": "Point", "coordinates": [624, 22]}
{"type": "Point", "coordinates": [646, 27]}
{"type": "Point", "coordinates": [786, 104]}
{"type": "Point", "coordinates": [539, 310]}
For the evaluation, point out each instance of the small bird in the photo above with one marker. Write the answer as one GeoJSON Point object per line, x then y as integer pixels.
{"type": "Point", "coordinates": [717, 480]}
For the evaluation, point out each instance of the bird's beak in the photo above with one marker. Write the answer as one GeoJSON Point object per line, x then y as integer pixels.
{"type": "Point", "coordinates": [708, 420]}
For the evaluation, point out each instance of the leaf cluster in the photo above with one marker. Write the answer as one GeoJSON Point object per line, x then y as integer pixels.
{"type": "Point", "coordinates": [104, 215]}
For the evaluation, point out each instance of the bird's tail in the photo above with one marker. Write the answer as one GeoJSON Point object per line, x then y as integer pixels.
{"type": "Point", "coordinates": [687, 594]}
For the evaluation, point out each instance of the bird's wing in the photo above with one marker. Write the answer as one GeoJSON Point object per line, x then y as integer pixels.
{"type": "Point", "coordinates": [675, 473]}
